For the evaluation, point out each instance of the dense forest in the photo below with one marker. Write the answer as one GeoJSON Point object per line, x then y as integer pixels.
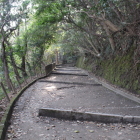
{"type": "Point", "coordinates": [104, 36]}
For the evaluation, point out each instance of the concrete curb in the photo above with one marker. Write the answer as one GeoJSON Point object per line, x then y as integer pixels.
{"type": "Point", "coordinates": [5, 122]}
{"type": "Point", "coordinates": [60, 73]}
{"type": "Point", "coordinates": [75, 83]}
{"type": "Point", "coordinates": [88, 116]}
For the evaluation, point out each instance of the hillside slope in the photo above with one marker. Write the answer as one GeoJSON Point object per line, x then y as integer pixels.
{"type": "Point", "coordinates": [120, 70]}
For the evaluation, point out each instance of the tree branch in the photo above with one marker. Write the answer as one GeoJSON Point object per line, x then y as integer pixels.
{"type": "Point", "coordinates": [110, 25]}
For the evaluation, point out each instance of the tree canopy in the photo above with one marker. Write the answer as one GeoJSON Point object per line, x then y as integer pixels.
{"type": "Point", "coordinates": [98, 28]}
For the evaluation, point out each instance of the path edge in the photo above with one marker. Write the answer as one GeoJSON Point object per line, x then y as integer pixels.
{"type": "Point", "coordinates": [122, 92]}
{"type": "Point", "coordinates": [119, 91]}
{"type": "Point", "coordinates": [5, 121]}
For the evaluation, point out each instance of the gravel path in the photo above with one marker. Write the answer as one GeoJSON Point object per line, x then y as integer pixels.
{"type": "Point", "coordinates": [61, 93]}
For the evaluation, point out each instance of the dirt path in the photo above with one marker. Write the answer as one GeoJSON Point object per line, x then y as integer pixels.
{"type": "Point", "coordinates": [77, 92]}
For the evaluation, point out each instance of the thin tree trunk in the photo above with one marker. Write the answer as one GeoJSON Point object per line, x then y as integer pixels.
{"type": "Point", "coordinates": [57, 61]}
{"type": "Point", "coordinates": [14, 65]}
{"type": "Point", "coordinates": [110, 38]}
{"type": "Point", "coordinates": [5, 66]}
{"type": "Point", "coordinates": [23, 66]}
{"type": "Point", "coordinates": [93, 46]}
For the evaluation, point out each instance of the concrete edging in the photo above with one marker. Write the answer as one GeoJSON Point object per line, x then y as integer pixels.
{"type": "Point", "coordinates": [88, 116]}
{"type": "Point", "coordinates": [61, 73]}
{"type": "Point", "coordinates": [6, 118]}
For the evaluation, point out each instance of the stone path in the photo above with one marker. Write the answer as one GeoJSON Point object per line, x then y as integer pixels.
{"type": "Point", "coordinates": [71, 88]}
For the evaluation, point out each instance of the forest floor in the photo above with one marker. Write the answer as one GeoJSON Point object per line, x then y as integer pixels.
{"type": "Point", "coordinates": [58, 92]}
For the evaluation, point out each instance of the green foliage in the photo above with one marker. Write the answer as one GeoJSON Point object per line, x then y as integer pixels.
{"type": "Point", "coordinates": [74, 28]}
{"type": "Point", "coordinates": [30, 39]}
{"type": "Point", "coordinates": [49, 12]}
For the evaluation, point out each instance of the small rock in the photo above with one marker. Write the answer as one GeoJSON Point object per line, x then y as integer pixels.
{"type": "Point", "coordinates": [78, 121]}
{"type": "Point", "coordinates": [123, 126]}
{"type": "Point", "coordinates": [48, 128]}
{"type": "Point", "coordinates": [98, 125]}
{"type": "Point", "coordinates": [104, 125]}
{"type": "Point", "coordinates": [131, 126]}
{"type": "Point", "coordinates": [41, 135]}
{"type": "Point", "coordinates": [76, 131]}
{"type": "Point", "coordinates": [91, 131]}
{"type": "Point", "coordinates": [47, 121]}
{"type": "Point", "coordinates": [136, 128]}
{"type": "Point", "coordinates": [119, 133]}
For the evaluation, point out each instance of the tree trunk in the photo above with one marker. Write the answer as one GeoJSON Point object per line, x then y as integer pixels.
{"type": "Point", "coordinates": [57, 61]}
{"type": "Point", "coordinates": [14, 65]}
{"type": "Point", "coordinates": [5, 65]}
{"type": "Point", "coordinates": [23, 66]}
{"type": "Point", "coordinates": [110, 38]}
